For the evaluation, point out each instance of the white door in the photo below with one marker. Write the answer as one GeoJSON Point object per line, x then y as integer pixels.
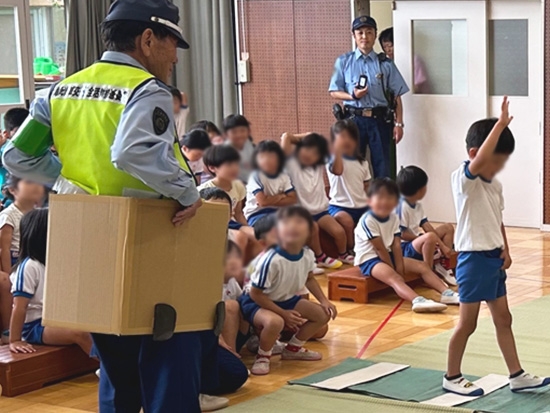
{"type": "Point", "coordinates": [438, 45]}
{"type": "Point", "coordinates": [16, 72]}
{"type": "Point", "coordinates": [516, 69]}
{"type": "Point", "coordinates": [459, 58]}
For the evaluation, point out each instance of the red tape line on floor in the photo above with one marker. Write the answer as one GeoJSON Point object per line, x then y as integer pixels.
{"type": "Point", "coordinates": [377, 331]}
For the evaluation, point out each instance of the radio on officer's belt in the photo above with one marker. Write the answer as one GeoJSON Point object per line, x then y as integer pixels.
{"type": "Point", "coordinates": [363, 80]}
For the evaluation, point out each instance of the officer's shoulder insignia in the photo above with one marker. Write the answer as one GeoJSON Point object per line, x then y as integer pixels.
{"type": "Point", "coordinates": [160, 121]}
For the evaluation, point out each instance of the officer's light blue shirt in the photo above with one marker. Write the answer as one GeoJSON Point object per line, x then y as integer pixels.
{"type": "Point", "coordinates": [136, 149]}
{"type": "Point", "coordinates": [350, 66]}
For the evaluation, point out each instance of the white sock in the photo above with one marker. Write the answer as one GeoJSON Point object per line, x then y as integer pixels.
{"type": "Point", "coordinates": [264, 353]}
{"type": "Point", "coordinates": [295, 342]}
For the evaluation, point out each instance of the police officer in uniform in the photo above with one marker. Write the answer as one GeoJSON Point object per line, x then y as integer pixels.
{"type": "Point", "coordinates": [113, 128]}
{"type": "Point", "coordinates": [371, 87]}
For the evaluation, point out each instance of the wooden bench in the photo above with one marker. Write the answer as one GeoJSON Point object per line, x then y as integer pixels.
{"type": "Point", "coordinates": [23, 373]}
{"type": "Point", "coordinates": [351, 285]}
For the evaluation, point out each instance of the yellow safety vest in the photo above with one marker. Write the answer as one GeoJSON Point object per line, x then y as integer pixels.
{"type": "Point", "coordinates": [85, 112]}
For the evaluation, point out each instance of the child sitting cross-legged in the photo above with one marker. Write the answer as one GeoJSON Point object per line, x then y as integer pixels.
{"type": "Point", "coordinates": [379, 255]}
{"type": "Point", "coordinates": [420, 240]}
{"type": "Point", "coordinates": [272, 302]}
{"type": "Point", "coordinates": [27, 280]}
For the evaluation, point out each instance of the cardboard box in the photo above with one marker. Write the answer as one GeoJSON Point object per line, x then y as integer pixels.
{"type": "Point", "coordinates": [111, 259]}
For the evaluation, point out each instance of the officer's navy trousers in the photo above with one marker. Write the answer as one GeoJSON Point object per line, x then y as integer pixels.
{"type": "Point", "coordinates": [161, 377]}
{"type": "Point", "coordinates": [376, 133]}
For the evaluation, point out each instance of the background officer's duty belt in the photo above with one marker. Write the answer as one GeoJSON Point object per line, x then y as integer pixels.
{"type": "Point", "coordinates": [368, 113]}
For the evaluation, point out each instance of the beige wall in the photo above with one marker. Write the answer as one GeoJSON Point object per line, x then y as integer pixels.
{"type": "Point", "coordinates": [381, 10]}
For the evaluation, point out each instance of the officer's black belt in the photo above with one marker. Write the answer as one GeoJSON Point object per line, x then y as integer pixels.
{"type": "Point", "coordinates": [378, 112]}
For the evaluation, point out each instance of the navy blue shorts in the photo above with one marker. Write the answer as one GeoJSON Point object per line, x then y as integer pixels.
{"type": "Point", "coordinates": [320, 215]}
{"type": "Point", "coordinates": [260, 214]}
{"type": "Point", "coordinates": [410, 252]}
{"type": "Point", "coordinates": [234, 225]}
{"type": "Point", "coordinates": [480, 277]}
{"type": "Point", "coordinates": [33, 331]}
{"type": "Point", "coordinates": [355, 213]}
{"type": "Point", "coordinates": [367, 266]}
{"type": "Point", "coordinates": [249, 308]}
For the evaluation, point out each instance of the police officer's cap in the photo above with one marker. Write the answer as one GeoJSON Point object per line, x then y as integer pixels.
{"type": "Point", "coordinates": [363, 21]}
{"type": "Point", "coordinates": [162, 12]}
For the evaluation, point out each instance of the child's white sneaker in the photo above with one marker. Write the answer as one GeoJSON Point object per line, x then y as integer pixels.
{"type": "Point", "coordinates": [527, 381]}
{"type": "Point", "coordinates": [98, 373]}
{"type": "Point", "coordinates": [318, 271]}
{"type": "Point", "coordinates": [331, 263]}
{"type": "Point", "coordinates": [462, 386]}
{"type": "Point", "coordinates": [260, 366]}
{"type": "Point", "coordinates": [347, 258]}
{"type": "Point", "coordinates": [212, 403]}
{"type": "Point", "coordinates": [302, 354]}
{"type": "Point", "coordinates": [449, 297]}
{"type": "Point", "coordinates": [423, 305]}
{"type": "Point", "coordinates": [447, 275]}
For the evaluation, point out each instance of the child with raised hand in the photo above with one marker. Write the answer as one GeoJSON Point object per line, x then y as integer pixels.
{"type": "Point", "coordinates": [193, 144]}
{"type": "Point", "coordinates": [27, 280]}
{"type": "Point", "coordinates": [273, 303]}
{"type": "Point", "coordinates": [379, 255]}
{"type": "Point", "coordinates": [348, 176]}
{"type": "Point", "coordinates": [269, 187]}
{"type": "Point", "coordinates": [483, 250]}
{"type": "Point", "coordinates": [308, 154]}
{"type": "Point", "coordinates": [420, 240]}
{"type": "Point", "coordinates": [236, 130]}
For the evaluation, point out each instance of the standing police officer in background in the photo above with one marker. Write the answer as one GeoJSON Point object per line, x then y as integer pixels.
{"type": "Point", "coordinates": [112, 125]}
{"type": "Point", "coordinates": [371, 87]}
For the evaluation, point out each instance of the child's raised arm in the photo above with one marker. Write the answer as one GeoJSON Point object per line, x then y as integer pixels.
{"type": "Point", "coordinates": [17, 345]}
{"type": "Point", "coordinates": [486, 150]}
{"type": "Point", "coordinates": [337, 165]}
{"type": "Point", "coordinates": [289, 140]}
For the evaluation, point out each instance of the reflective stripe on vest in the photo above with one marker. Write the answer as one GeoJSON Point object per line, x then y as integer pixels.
{"type": "Point", "coordinates": [85, 112]}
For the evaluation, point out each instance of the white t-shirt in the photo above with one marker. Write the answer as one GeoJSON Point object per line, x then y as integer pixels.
{"type": "Point", "coordinates": [411, 217]}
{"type": "Point", "coordinates": [28, 281]}
{"type": "Point", "coordinates": [12, 216]}
{"type": "Point", "coordinates": [280, 275]}
{"type": "Point", "coordinates": [370, 227]}
{"type": "Point", "coordinates": [237, 192]}
{"type": "Point", "coordinates": [348, 190]}
{"type": "Point", "coordinates": [247, 153]}
{"type": "Point", "coordinates": [231, 290]}
{"type": "Point", "coordinates": [260, 182]}
{"type": "Point", "coordinates": [479, 205]}
{"type": "Point", "coordinates": [310, 185]}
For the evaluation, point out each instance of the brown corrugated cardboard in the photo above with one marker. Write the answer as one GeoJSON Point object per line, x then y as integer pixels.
{"type": "Point", "coordinates": [111, 259]}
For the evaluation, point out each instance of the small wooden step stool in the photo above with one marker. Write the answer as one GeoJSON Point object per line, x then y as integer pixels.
{"type": "Point", "coordinates": [23, 373]}
{"type": "Point", "coordinates": [351, 285]}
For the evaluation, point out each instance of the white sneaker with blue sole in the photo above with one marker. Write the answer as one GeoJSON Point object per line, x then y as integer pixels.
{"type": "Point", "coordinates": [462, 386]}
{"type": "Point", "coordinates": [527, 381]}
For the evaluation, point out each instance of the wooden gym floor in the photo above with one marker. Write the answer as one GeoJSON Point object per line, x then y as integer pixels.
{"type": "Point", "coordinates": [529, 278]}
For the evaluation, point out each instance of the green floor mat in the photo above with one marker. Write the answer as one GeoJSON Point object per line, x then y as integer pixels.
{"type": "Point", "coordinates": [299, 399]}
{"type": "Point", "coordinates": [428, 358]}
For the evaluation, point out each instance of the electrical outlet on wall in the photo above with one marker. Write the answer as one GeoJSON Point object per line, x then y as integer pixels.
{"type": "Point", "coordinates": [243, 71]}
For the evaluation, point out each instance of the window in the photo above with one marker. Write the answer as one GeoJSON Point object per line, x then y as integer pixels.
{"type": "Point", "coordinates": [10, 91]}
{"type": "Point", "coordinates": [440, 57]}
{"type": "Point", "coordinates": [508, 58]}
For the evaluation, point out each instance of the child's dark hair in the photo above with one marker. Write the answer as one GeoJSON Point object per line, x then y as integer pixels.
{"type": "Point", "coordinates": [314, 140]}
{"type": "Point", "coordinates": [383, 184]}
{"type": "Point", "coordinates": [34, 235]}
{"type": "Point", "coordinates": [480, 130]}
{"type": "Point", "coordinates": [350, 127]}
{"type": "Point", "coordinates": [233, 247]}
{"type": "Point", "coordinates": [11, 183]}
{"type": "Point", "coordinates": [208, 126]}
{"type": "Point", "coordinates": [175, 92]}
{"type": "Point", "coordinates": [411, 179]}
{"type": "Point", "coordinates": [235, 121]}
{"type": "Point", "coordinates": [14, 118]}
{"type": "Point", "coordinates": [273, 147]}
{"type": "Point", "coordinates": [214, 193]}
{"type": "Point", "coordinates": [196, 139]}
{"type": "Point", "coordinates": [296, 211]}
{"type": "Point", "coordinates": [386, 36]}
{"type": "Point", "coordinates": [264, 225]}
{"type": "Point", "coordinates": [217, 155]}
